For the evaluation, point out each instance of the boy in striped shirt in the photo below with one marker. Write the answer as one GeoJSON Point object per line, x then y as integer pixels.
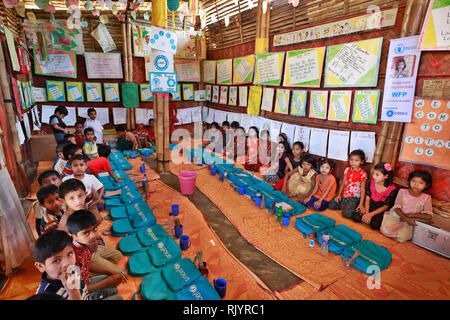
{"type": "Point", "coordinates": [90, 146]}
{"type": "Point", "coordinates": [49, 199]}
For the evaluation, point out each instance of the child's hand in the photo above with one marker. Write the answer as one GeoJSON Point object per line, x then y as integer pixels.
{"type": "Point", "coordinates": [317, 204]}
{"type": "Point", "coordinates": [116, 279]}
{"type": "Point", "coordinates": [120, 179]}
{"type": "Point", "coordinates": [338, 198]}
{"type": "Point", "coordinates": [361, 209]}
{"type": "Point", "coordinates": [307, 199]}
{"type": "Point", "coordinates": [411, 221]}
{"type": "Point", "coordinates": [367, 217]}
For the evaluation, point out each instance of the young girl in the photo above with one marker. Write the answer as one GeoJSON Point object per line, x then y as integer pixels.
{"type": "Point", "coordinates": [252, 162]}
{"type": "Point", "coordinates": [282, 137]}
{"type": "Point", "coordinates": [325, 188]}
{"type": "Point", "coordinates": [301, 182]}
{"type": "Point", "coordinates": [240, 142]}
{"type": "Point", "coordinates": [265, 149]}
{"type": "Point", "coordinates": [275, 171]}
{"type": "Point", "coordinates": [352, 186]}
{"type": "Point", "coordinates": [410, 204]}
{"type": "Point", "coordinates": [79, 135]}
{"type": "Point", "coordinates": [293, 161]}
{"type": "Point", "coordinates": [380, 196]}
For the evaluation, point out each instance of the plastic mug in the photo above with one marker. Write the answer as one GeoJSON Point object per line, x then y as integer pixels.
{"type": "Point", "coordinates": [178, 232]}
{"type": "Point", "coordinates": [142, 168]}
{"type": "Point", "coordinates": [175, 209]}
{"type": "Point", "coordinates": [185, 243]}
{"type": "Point", "coordinates": [220, 176]}
{"type": "Point", "coordinates": [221, 287]}
{"type": "Point", "coordinates": [147, 153]}
{"type": "Point", "coordinates": [258, 201]}
{"type": "Point", "coordinates": [241, 190]}
{"type": "Point", "coordinates": [213, 171]}
{"type": "Point", "coordinates": [286, 219]}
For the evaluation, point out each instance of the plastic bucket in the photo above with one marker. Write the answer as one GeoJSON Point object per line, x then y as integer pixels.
{"type": "Point", "coordinates": [187, 182]}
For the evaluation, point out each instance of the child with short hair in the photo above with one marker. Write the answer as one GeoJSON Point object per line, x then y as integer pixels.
{"type": "Point", "coordinates": [55, 258]}
{"type": "Point", "coordinates": [69, 151]}
{"type": "Point", "coordinates": [90, 146]}
{"type": "Point", "coordinates": [325, 187]}
{"type": "Point", "coordinates": [352, 188]}
{"type": "Point", "coordinates": [70, 137]}
{"type": "Point", "coordinates": [126, 140]}
{"type": "Point", "coordinates": [82, 225]}
{"type": "Point", "coordinates": [95, 124]}
{"type": "Point", "coordinates": [282, 137]}
{"type": "Point", "coordinates": [73, 192]}
{"type": "Point", "coordinates": [60, 161]}
{"type": "Point", "coordinates": [79, 134]}
{"type": "Point", "coordinates": [380, 196]}
{"type": "Point", "coordinates": [56, 122]}
{"type": "Point", "coordinates": [410, 205]}
{"type": "Point", "coordinates": [101, 163]}
{"type": "Point", "coordinates": [142, 136]}
{"type": "Point", "coordinates": [301, 181]}
{"type": "Point", "coordinates": [48, 198]}
{"type": "Point", "coordinates": [151, 131]}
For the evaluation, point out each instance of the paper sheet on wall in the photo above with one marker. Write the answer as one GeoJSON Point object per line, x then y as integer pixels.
{"type": "Point", "coordinates": [39, 94]}
{"type": "Point", "coordinates": [120, 115]}
{"type": "Point", "coordinates": [338, 145]}
{"type": "Point", "coordinates": [365, 106]}
{"type": "Point", "coordinates": [302, 134]}
{"type": "Point", "coordinates": [319, 137]}
{"type": "Point", "coordinates": [26, 122]}
{"type": "Point", "coordinates": [56, 64]}
{"type": "Point", "coordinates": [224, 71]}
{"type": "Point", "coordinates": [275, 129]}
{"type": "Point", "coordinates": [304, 67]}
{"type": "Point", "coordinates": [20, 131]}
{"type": "Point", "coordinates": [184, 116]}
{"type": "Point", "coordinates": [55, 92]}
{"type": "Point", "coordinates": [196, 114]}
{"type": "Point", "coordinates": [102, 114]}
{"type": "Point", "coordinates": [245, 121]}
{"type": "Point", "coordinates": [187, 70]}
{"type": "Point", "coordinates": [233, 96]}
{"type": "Point", "coordinates": [257, 121]}
{"type": "Point", "coordinates": [282, 101]}
{"type": "Point", "coordinates": [364, 141]}
{"type": "Point", "coordinates": [340, 105]}
{"type": "Point", "coordinates": [205, 111]}
{"type": "Point", "coordinates": [223, 95]}
{"type": "Point", "coordinates": [318, 104]}
{"type": "Point", "coordinates": [103, 37]}
{"type": "Point", "coordinates": [254, 100]}
{"type": "Point", "coordinates": [268, 69]}
{"type": "Point", "coordinates": [74, 92]}
{"type": "Point", "coordinates": [48, 111]}
{"type": "Point", "coordinates": [35, 119]}
{"type": "Point", "coordinates": [93, 93]}
{"type": "Point", "coordinates": [267, 99]}
{"type": "Point", "coordinates": [243, 95]}
{"type": "Point", "coordinates": [211, 114]}
{"type": "Point", "coordinates": [289, 130]}
{"type": "Point", "coordinates": [209, 73]}
{"type": "Point", "coordinates": [111, 94]}
{"type": "Point", "coordinates": [298, 104]}
{"type": "Point", "coordinates": [163, 39]}
{"type": "Point", "coordinates": [215, 94]}
{"type": "Point", "coordinates": [12, 49]}
{"type": "Point", "coordinates": [219, 116]}
{"type": "Point", "coordinates": [234, 116]}
{"type": "Point", "coordinates": [243, 68]}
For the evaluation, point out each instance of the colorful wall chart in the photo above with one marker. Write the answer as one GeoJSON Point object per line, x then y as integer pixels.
{"type": "Point", "coordinates": [141, 40]}
{"type": "Point", "coordinates": [94, 91]}
{"type": "Point", "coordinates": [353, 64]}
{"type": "Point", "coordinates": [298, 103]}
{"type": "Point", "coordinates": [146, 94]}
{"type": "Point", "coordinates": [243, 69]}
{"type": "Point", "coordinates": [224, 71]}
{"type": "Point", "coordinates": [435, 34]}
{"type": "Point", "coordinates": [233, 96]}
{"type": "Point", "coordinates": [223, 95]}
{"type": "Point", "coordinates": [340, 105]}
{"type": "Point", "coordinates": [303, 68]}
{"type": "Point", "coordinates": [187, 70]}
{"type": "Point", "coordinates": [268, 68]}
{"type": "Point", "coordinates": [60, 64]}
{"type": "Point", "coordinates": [111, 92]}
{"type": "Point", "coordinates": [365, 106]}
{"type": "Point", "coordinates": [55, 91]}
{"type": "Point", "coordinates": [176, 96]}
{"type": "Point", "coordinates": [188, 91]}
{"type": "Point", "coordinates": [243, 96]}
{"type": "Point", "coordinates": [209, 71]}
{"type": "Point", "coordinates": [64, 38]}
{"type": "Point", "coordinates": [426, 137]}
{"type": "Point", "coordinates": [75, 91]}
{"type": "Point", "coordinates": [318, 104]}
{"type": "Point", "coordinates": [254, 100]}
{"type": "Point", "coordinates": [282, 101]}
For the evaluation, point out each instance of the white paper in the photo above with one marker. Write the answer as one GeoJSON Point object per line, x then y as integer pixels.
{"type": "Point", "coordinates": [303, 67]}
{"type": "Point", "coordinates": [234, 116]}
{"type": "Point", "coordinates": [338, 145]}
{"type": "Point", "coordinates": [48, 111]}
{"type": "Point", "coordinates": [111, 93]}
{"type": "Point", "coordinates": [246, 121]}
{"type": "Point", "coordinates": [39, 94]}
{"type": "Point", "coordinates": [102, 114]}
{"type": "Point", "coordinates": [339, 108]}
{"type": "Point", "coordinates": [275, 129]}
{"type": "Point", "coordinates": [55, 92]}
{"type": "Point", "coordinates": [103, 37]}
{"type": "Point", "coordinates": [163, 39]}
{"type": "Point", "coordinates": [319, 137]}
{"type": "Point", "coordinates": [441, 20]}
{"type": "Point", "coordinates": [20, 131]}
{"type": "Point", "coordinates": [302, 134]}
{"type": "Point", "coordinates": [120, 115]}
{"type": "Point", "coordinates": [150, 114]}
{"type": "Point", "coordinates": [196, 114]}
{"type": "Point", "coordinates": [184, 116]}
{"type": "Point", "coordinates": [142, 116]}
{"type": "Point", "coordinates": [211, 115]}
{"type": "Point", "coordinates": [365, 108]}
{"type": "Point", "coordinates": [75, 92]}
{"type": "Point", "coordinates": [219, 116]}
{"type": "Point", "coordinates": [210, 71]}
{"type": "Point", "coordinates": [26, 122]}
{"type": "Point", "coordinates": [364, 141]}
{"type": "Point", "coordinates": [57, 63]}
{"type": "Point", "coordinates": [35, 119]}
{"type": "Point", "coordinates": [243, 96]}
{"type": "Point", "coordinates": [258, 122]}
{"type": "Point", "coordinates": [269, 68]}
{"type": "Point", "coordinates": [224, 71]}
{"type": "Point", "coordinates": [289, 130]}
{"type": "Point", "coordinates": [161, 61]}
{"type": "Point", "coordinates": [243, 69]}
{"type": "Point", "coordinates": [267, 99]}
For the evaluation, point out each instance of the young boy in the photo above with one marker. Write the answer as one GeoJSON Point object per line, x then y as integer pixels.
{"type": "Point", "coordinates": [54, 258]}
{"type": "Point", "coordinates": [95, 124]}
{"type": "Point", "coordinates": [101, 163]}
{"type": "Point", "coordinates": [127, 140]}
{"type": "Point", "coordinates": [151, 132]}
{"type": "Point", "coordinates": [142, 136]}
{"type": "Point", "coordinates": [90, 146]}
{"type": "Point", "coordinates": [58, 126]}
{"type": "Point", "coordinates": [68, 152]}
{"type": "Point", "coordinates": [60, 161]}
{"type": "Point", "coordinates": [82, 226]}
{"type": "Point", "coordinates": [48, 198]}
{"type": "Point", "coordinates": [70, 137]}
{"type": "Point", "coordinates": [79, 134]}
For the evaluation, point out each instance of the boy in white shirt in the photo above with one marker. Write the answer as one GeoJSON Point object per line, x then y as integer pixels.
{"type": "Point", "coordinates": [95, 124]}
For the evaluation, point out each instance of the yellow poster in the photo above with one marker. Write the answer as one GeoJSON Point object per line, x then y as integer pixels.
{"type": "Point", "coordinates": [268, 69]}
{"type": "Point", "coordinates": [435, 34]}
{"type": "Point", "coordinates": [282, 101]}
{"type": "Point", "coordinates": [303, 68]}
{"type": "Point", "coordinates": [254, 100]}
{"type": "Point", "coordinates": [318, 104]}
{"type": "Point", "coordinates": [243, 69]}
{"type": "Point", "coordinates": [340, 105]}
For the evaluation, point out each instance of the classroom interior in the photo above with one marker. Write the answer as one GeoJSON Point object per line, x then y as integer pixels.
{"type": "Point", "coordinates": [320, 72]}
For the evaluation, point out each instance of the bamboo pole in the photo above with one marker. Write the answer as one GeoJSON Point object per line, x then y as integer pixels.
{"type": "Point", "coordinates": [125, 51]}
{"type": "Point", "coordinates": [166, 134]}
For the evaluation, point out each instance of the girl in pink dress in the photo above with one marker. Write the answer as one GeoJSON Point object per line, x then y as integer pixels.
{"type": "Point", "coordinates": [410, 204]}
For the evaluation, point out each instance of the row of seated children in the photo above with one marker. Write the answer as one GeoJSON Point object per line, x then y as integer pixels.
{"type": "Point", "coordinates": [376, 202]}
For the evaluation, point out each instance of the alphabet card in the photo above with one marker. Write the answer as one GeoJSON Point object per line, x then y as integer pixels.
{"type": "Point", "coordinates": [223, 95]}
{"type": "Point", "coordinates": [74, 91]}
{"type": "Point", "coordinates": [318, 104]}
{"type": "Point", "coordinates": [94, 91]}
{"type": "Point", "coordinates": [298, 103]}
{"type": "Point", "coordinates": [55, 91]}
{"type": "Point", "coordinates": [365, 106]}
{"type": "Point", "coordinates": [339, 105]}
{"type": "Point", "coordinates": [282, 101]}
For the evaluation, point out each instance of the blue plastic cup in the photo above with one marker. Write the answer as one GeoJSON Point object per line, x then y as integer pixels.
{"type": "Point", "coordinates": [175, 209]}
{"type": "Point", "coordinates": [147, 153]}
{"type": "Point", "coordinates": [178, 231]}
{"type": "Point", "coordinates": [221, 287]}
{"type": "Point", "coordinates": [286, 219]}
{"type": "Point", "coordinates": [200, 163]}
{"type": "Point", "coordinates": [242, 190]}
{"type": "Point", "coordinates": [142, 168]}
{"type": "Point", "coordinates": [185, 243]}
{"type": "Point", "coordinates": [221, 176]}
{"type": "Point", "coordinates": [258, 201]}
{"type": "Point", "coordinates": [213, 171]}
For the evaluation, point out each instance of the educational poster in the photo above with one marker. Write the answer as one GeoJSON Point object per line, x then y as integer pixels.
{"type": "Point", "coordinates": [21, 95]}
{"type": "Point", "coordinates": [254, 100]}
{"type": "Point", "coordinates": [340, 105]}
{"type": "Point", "coordinates": [289, 130]}
{"type": "Point", "coordinates": [120, 115]}
{"type": "Point", "coordinates": [59, 64]}
{"type": "Point", "coordinates": [185, 44]}
{"type": "Point", "coordinates": [48, 111]}
{"type": "Point", "coordinates": [223, 95]}
{"type": "Point", "coordinates": [208, 92]}
{"type": "Point", "coordinates": [74, 91]}
{"type": "Point", "coordinates": [161, 61]}
{"type": "Point", "coordinates": [318, 104]}
{"type": "Point", "coordinates": [243, 96]}
{"type": "Point", "coordinates": [319, 137]}
{"type": "Point", "coordinates": [275, 129]}
{"type": "Point", "coordinates": [435, 34]}
{"type": "Point", "coordinates": [365, 141]}
{"type": "Point", "coordinates": [187, 70]}
{"type": "Point", "coordinates": [141, 40]}
{"type": "Point", "coordinates": [426, 138]}
{"type": "Point", "coordinates": [215, 94]}
{"type": "Point", "coordinates": [55, 91]}
{"type": "Point", "coordinates": [176, 96]}
{"type": "Point", "coordinates": [353, 64]}
{"type": "Point", "coordinates": [199, 95]}
{"type": "Point", "coordinates": [12, 49]}
{"type": "Point", "coordinates": [64, 38]}
{"type": "Point", "coordinates": [224, 71]}
{"type": "Point", "coordinates": [400, 82]}
{"type": "Point", "coordinates": [101, 65]}
{"type": "Point", "coordinates": [302, 134]}
{"type": "Point", "coordinates": [188, 91]}
{"type": "Point", "coordinates": [103, 37]}
{"type": "Point", "coordinates": [196, 114]}
{"type": "Point", "coordinates": [267, 99]}
{"type": "Point", "coordinates": [146, 94]}
{"type": "Point", "coordinates": [303, 68]}
{"type": "Point", "coordinates": [268, 68]}
{"type": "Point", "coordinates": [94, 91]}
{"type": "Point", "coordinates": [298, 103]}
{"type": "Point", "coordinates": [102, 114]}
{"type": "Point", "coordinates": [365, 106]}
{"type": "Point", "coordinates": [243, 69]}
{"type": "Point", "coordinates": [147, 63]}
{"type": "Point", "coordinates": [233, 96]}
{"type": "Point", "coordinates": [111, 92]}
{"type": "Point", "coordinates": [209, 71]}
{"type": "Point", "coordinates": [282, 101]}
{"type": "Point", "coordinates": [25, 94]}
{"type": "Point", "coordinates": [338, 145]}
{"type": "Point", "coordinates": [163, 39]}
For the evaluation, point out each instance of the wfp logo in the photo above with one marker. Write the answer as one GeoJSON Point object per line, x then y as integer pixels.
{"type": "Point", "coordinates": [399, 48]}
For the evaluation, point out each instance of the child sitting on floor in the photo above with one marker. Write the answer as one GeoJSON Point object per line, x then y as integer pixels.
{"type": "Point", "coordinates": [126, 140]}
{"type": "Point", "coordinates": [82, 225]}
{"type": "Point", "coordinates": [142, 136]}
{"type": "Point", "coordinates": [101, 163]}
{"type": "Point", "coordinates": [293, 161]}
{"type": "Point", "coordinates": [79, 134]}
{"type": "Point", "coordinates": [301, 182]}
{"type": "Point", "coordinates": [70, 137]}
{"type": "Point", "coordinates": [48, 198]}
{"type": "Point", "coordinates": [352, 188]}
{"type": "Point", "coordinates": [252, 162]}
{"type": "Point", "coordinates": [54, 258]}
{"type": "Point", "coordinates": [69, 151]}
{"type": "Point", "coordinates": [60, 161]}
{"type": "Point", "coordinates": [380, 196]}
{"type": "Point", "coordinates": [90, 146]}
{"type": "Point", "coordinates": [410, 205]}
{"type": "Point", "coordinates": [151, 132]}
{"type": "Point", "coordinates": [275, 171]}
{"type": "Point", "coordinates": [325, 188]}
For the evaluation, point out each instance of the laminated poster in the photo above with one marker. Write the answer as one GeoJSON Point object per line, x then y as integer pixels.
{"type": "Point", "coordinates": [199, 95]}
{"type": "Point", "coordinates": [435, 34]}
{"type": "Point", "coordinates": [268, 68]}
{"type": "Point", "coordinates": [188, 91]}
{"type": "Point", "coordinates": [101, 65]}
{"type": "Point", "coordinates": [209, 71]}
{"type": "Point", "coordinates": [365, 106]}
{"type": "Point", "coordinates": [208, 92]}
{"type": "Point", "coordinates": [282, 101]}
{"type": "Point", "coordinates": [111, 92]}
{"type": "Point", "coordinates": [146, 94]}
{"type": "Point", "coordinates": [243, 96]}
{"type": "Point", "coordinates": [318, 104]}
{"type": "Point", "coordinates": [60, 64]}
{"type": "Point", "coordinates": [298, 103]}
{"type": "Point", "coordinates": [176, 96]}
{"type": "Point", "coordinates": [224, 71]}
{"type": "Point", "coordinates": [215, 94]}
{"type": "Point", "coordinates": [233, 96]}
{"type": "Point", "coordinates": [94, 91]}
{"type": "Point", "coordinates": [340, 105]}
{"type": "Point", "coordinates": [303, 68]}
{"type": "Point", "coordinates": [187, 70]}
{"type": "Point", "coordinates": [74, 91]}
{"type": "Point", "coordinates": [223, 95]}
{"type": "Point", "coordinates": [55, 91]}
{"type": "Point", "coordinates": [267, 99]}
{"type": "Point", "coordinates": [243, 69]}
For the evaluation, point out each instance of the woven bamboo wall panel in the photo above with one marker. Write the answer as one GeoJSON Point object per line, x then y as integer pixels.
{"type": "Point", "coordinates": [11, 20]}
